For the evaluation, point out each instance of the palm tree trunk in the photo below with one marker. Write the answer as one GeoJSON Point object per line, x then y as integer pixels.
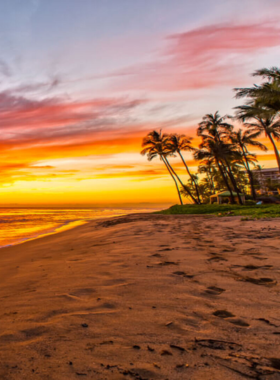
{"type": "Point", "coordinates": [250, 174]}
{"type": "Point", "coordinates": [275, 149]}
{"type": "Point", "coordinates": [234, 184]}
{"type": "Point", "coordinates": [231, 176]}
{"type": "Point", "coordinates": [212, 181]}
{"type": "Point", "coordinates": [251, 179]}
{"type": "Point", "coordinates": [170, 172]}
{"type": "Point", "coordinates": [191, 177]}
{"type": "Point", "coordinates": [210, 178]}
{"type": "Point", "coordinates": [178, 178]}
{"type": "Point", "coordinates": [225, 180]}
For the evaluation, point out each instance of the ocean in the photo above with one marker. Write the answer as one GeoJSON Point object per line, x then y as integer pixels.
{"type": "Point", "coordinates": [20, 224]}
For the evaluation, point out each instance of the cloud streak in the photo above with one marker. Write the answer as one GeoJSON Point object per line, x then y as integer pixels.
{"type": "Point", "coordinates": [202, 58]}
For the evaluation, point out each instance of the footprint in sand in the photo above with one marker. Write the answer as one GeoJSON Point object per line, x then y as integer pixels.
{"type": "Point", "coordinates": [265, 281]}
{"type": "Point", "coordinates": [260, 258]}
{"type": "Point", "coordinates": [267, 322]}
{"type": "Point", "coordinates": [223, 314]}
{"type": "Point", "coordinates": [164, 263]}
{"type": "Point", "coordinates": [230, 318]}
{"type": "Point", "coordinates": [217, 259]}
{"type": "Point", "coordinates": [214, 290]}
{"type": "Point", "coordinates": [251, 251]}
{"type": "Point", "coordinates": [184, 274]}
{"type": "Point", "coordinates": [238, 322]}
{"type": "Point", "coordinates": [156, 255]}
{"type": "Point", "coordinates": [254, 267]}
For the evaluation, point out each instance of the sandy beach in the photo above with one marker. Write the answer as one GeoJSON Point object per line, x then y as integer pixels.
{"type": "Point", "coordinates": [143, 297]}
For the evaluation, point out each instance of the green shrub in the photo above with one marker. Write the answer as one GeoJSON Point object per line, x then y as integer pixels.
{"type": "Point", "coordinates": [256, 212]}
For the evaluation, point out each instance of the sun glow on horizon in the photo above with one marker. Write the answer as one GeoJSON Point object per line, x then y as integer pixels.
{"type": "Point", "coordinates": [73, 115]}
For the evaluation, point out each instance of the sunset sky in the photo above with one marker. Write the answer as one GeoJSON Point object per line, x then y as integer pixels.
{"type": "Point", "coordinates": [82, 81]}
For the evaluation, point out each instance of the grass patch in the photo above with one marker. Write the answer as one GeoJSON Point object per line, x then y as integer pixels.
{"type": "Point", "coordinates": [255, 212]}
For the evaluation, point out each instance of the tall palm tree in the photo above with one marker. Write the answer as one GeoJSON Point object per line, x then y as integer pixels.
{"type": "Point", "coordinates": [242, 139]}
{"type": "Point", "coordinates": [261, 120]}
{"type": "Point", "coordinates": [177, 143]}
{"type": "Point", "coordinates": [262, 108]}
{"type": "Point", "coordinates": [154, 146]}
{"type": "Point", "coordinates": [216, 128]}
{"type": "Point", "coordinates": [211, 149]}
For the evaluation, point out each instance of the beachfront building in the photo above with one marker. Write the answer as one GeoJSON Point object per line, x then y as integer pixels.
{"type": "Point", "coordinates": [267, 176]}
{"type": "Point", "coordinates": [224, 197]}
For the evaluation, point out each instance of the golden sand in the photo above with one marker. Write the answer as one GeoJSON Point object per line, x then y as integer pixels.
{"type": "Point", "coordinates": [143, 297]}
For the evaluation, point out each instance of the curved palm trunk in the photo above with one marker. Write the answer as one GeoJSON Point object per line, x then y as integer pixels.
{"type": "Point", "coordinates": [275, 149]}
{"type": "Point", "coordinates": [170, 172]}
{"type": "Point", "coordinates": [178, 178]}
{"type": "Point", "coordinates": [191, 177]}
{"type": "Point", "coordinates": [234, 184]}
{"type": "Point", "coordinates": [225, 180]}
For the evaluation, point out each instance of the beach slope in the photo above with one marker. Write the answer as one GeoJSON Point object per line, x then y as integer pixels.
{"type": "Point", "coordinates": [143, 297]}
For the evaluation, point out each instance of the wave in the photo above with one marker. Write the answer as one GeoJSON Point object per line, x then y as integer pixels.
{"type": "Point", "coordinates": [60, 228]}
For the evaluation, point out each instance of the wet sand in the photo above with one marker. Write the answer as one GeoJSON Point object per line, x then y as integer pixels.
{"type": "Point", "coordinates": [144, 297]}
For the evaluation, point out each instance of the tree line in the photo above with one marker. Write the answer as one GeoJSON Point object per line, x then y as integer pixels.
{"type": "Point", "coordinates": [225, 161]}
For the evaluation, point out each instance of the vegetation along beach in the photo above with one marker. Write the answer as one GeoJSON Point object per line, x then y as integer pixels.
{"type": "Point", "coordinates": [139, 190]}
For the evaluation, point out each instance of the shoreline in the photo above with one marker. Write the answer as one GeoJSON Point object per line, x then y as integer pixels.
{"type": "Point", "coordinates": [77, 223]}
{"type": "Point", "coordinates": [143, 296]}
{"type": "Point", "coordinates": [56, 230]}
{"type": "Point", "coordinates": [60, 227]}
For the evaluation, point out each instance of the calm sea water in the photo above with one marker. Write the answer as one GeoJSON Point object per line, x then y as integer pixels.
{"type": "Point", "coordinates": [20, 224]}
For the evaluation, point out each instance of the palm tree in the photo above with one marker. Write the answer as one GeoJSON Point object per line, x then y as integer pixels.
{"type": "Point", "coordinates": [262, 108]}
{"type": "Point", "coordinates": [211, 149]}
{"type": "Point", "coordinates": [154, 145]}
{"type": "Point", "coordinates": [177, 143]}
{"type": "Point", "coordinates": [266, 94]}
{"type": "Point", "coordinates": [242, 139]}
{"type": "Point", "coordinates": [261, 120]}
{"type": "Point", "coordinates": [215, 128]}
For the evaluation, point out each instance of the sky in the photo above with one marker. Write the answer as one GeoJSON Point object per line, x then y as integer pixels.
{"type": "Point", "coordinates": [82, 82]}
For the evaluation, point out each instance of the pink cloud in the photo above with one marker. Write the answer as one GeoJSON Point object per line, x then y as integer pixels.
{"type": "Point", "coordinates": [202, 58]}
{"type": "Point", "coordinates": [25, 113]}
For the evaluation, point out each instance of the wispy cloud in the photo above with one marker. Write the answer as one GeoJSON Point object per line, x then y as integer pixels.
{"type": "Point", "coordinates": [24, 119]}
{"type": "Point", "coordinates": [208, 56]}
